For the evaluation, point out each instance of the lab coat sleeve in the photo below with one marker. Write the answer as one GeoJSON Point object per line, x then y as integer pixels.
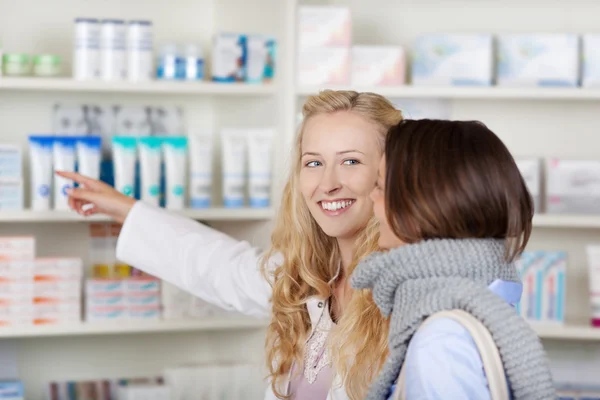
{"type": "Point", "coordinates": [205, 262]}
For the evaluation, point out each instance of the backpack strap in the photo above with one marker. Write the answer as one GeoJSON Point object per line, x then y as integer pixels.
{"type": "Point", "coordinates": [492, 363]}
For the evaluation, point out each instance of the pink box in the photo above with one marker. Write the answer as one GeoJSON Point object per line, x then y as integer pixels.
{"type": "Point", "coordinates": [378, 66]}
{"type": "Point", "coordinates": [324, 66]}
{"type": "Point", "coordinates": [17, 248]}
{"type": "Point", "coordinates": [322, 26]}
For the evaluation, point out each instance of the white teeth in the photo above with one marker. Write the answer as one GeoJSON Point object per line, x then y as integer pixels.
{"type": "Point", "coordinates": [335, 205]}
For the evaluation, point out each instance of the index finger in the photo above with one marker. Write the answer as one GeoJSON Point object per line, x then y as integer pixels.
{"type": "Point", "coordinates": [74, 176]}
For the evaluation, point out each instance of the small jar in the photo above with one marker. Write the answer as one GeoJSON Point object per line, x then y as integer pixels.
{"type": "Point", "coordinates": [16, 64]}
{"type": "Point", "coordinates": [46, 65]}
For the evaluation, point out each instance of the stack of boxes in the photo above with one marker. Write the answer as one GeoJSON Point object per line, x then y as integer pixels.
{"type": "Point", "coordinates": [57, 290]}
{"type": "Point", "coordinates": [324, 40]}
{"type": "Point", "coordinates": [36, 291]}
{"type": "Point", "coordinates": [327, 57]}
{"type": "Point", "coordinates": [135, 299]}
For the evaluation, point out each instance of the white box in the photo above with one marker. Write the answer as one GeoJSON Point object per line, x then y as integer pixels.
{"type": "Point", "coordinates": [143, 299]}
{"type": "Point", "coordinates": [142, 286]}
{"type": "Point", "coordinates": [67, 288]}
{"type": "Point", "coordinates": [531, 170]}
{"type": "Point", "coordinates": [17, 248]}
{"type": "Point", "coordinates": [590, 58]}
{"type": "Point", "coordinates": [144, 313]}
{"type": "Point", "coordinates": [573, 187]}
{"type": "Point", "coordinates": [538, 60]}
{"type": "Point", "coordinates": [458, 59]}
{"type": "Point", "coordinates": [104, 286]}
{"type": "Point", "coordinates": [109, 299]}
{"type": "Point", "coordinates": [324, 66]}
{"type": "Point", "coordinates": [324, 26]}
{"type": "Point", "coordinates": [144, 392]}
{"type": "Point", "coordinates": [423, 108]}
{"type": "Point", "coordinates": [11, 162]}
{"type": "Point", "coordinates": [11, 195]}
{"type": "Point", "coordinates": [58, 269]}
{"type": "Point", "coordinates": [16, 270]}
{"type": "Point", "coordinates": [378, 66]}
{"type": "Point", "coordinates": [103, 314]}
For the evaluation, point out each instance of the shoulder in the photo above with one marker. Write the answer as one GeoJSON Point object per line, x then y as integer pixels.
{"type": "Point", "coordinates": [442, 359]}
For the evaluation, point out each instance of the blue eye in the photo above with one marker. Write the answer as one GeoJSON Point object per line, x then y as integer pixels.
{"type": "Point", "coordinates": [351, 162]}
{"type": "Point", "coordinates": [313, 164]}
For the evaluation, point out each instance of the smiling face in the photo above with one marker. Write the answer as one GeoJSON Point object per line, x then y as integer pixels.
{"type": "Point", "coordinates": [387, 237]}
{"type": "Point", "coordinates": [340, 156]}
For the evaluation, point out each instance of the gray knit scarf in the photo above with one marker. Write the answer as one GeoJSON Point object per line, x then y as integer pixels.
{"type": "Point", "coordinates": [415, 281]}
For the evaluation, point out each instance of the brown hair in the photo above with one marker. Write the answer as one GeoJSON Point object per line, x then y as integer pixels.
{"type": "Point", "coordinates": [454, 179]}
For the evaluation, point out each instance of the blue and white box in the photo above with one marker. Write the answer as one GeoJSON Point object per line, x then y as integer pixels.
{"type": "Point", "coordinates": [553, 292]}
{"type": "Point", "coordinates": [458, 60]}
{"type": "Point", "coordinates": [538, 60]}
{"type": "Point", "coordinates": [590, 58]}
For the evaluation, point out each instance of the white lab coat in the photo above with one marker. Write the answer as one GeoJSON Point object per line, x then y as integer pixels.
{"type": "Point", "coordinates": [206, 263]}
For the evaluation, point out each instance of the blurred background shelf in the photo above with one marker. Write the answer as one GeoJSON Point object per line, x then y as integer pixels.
{"type": "Point", "coordinates": [208, 214]}
{"type": "Point", "coordinates": [567, 221]}
{"type": "Point", "coordinates": [156, 87]}
{"type": "Point", "coordinates": [132, 327]}
{"type": "Point", "coordinates": [575, 333]}
{"type": "Point", "coordinates": [493, 92]}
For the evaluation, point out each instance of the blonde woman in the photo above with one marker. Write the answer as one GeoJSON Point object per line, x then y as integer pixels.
{"type": "Point", "coordinates": [324, 341]}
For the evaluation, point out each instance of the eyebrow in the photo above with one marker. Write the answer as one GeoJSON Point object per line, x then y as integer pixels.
{"type": "Point", "coordinates": [309, 153]}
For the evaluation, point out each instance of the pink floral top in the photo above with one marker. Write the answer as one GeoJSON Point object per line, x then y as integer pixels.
{"type": "Point", "coordinates": [315, 381]}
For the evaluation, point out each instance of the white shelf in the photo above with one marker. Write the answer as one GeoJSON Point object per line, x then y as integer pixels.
{"type": "Point", "coordinates": [566, 221]}
{"type": "Point", "coordinates": [534, 93]}
{"type": "Point", "coordinates": [208, 214]}
{"type": "Point", "coordinates": [129, 327]}
{"type": "Point", "coordinates": [585, 333]}
{"type": "Point", "coordinates": [157, 87]}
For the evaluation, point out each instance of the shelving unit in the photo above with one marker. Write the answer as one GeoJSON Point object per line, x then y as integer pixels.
{"type": "Point", "coordinates": [209, 214]}
{"type": "Point", "coordinates": [151, 87]}
{"type": "Point", "coordinates": [471, 93]}
{"type": "Point", "coordinates": [567, 332]}
{"type": "Point", "coordinates": [234, 322]}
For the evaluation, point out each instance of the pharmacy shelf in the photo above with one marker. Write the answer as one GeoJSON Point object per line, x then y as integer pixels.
{"type": "Point", "coordinates": [469, 92]}
{"type": "Point", "coordinates": [130, 327]}
{"type": "Point", "coordinates": [566, 332]}
{"type": "Point", "coordinates": [566, 221]}
{"type": "Point", "coordinates": [208, 214]}
{"type": "Point", "coordinates": [157, 87]}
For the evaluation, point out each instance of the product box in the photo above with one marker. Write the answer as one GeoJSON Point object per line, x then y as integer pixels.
{"type": "Point", "coordinates": [144, 392]}
{"type": "Point", "coordinates": [530, 269]}
{"type": "Point", "coordinates": [16, 270]}
{"type": "Point", "coordinates": [531, 171]}
{"type": "Point", "coordinates": [538, 60]}
{"type": "Point", "coordinates": [553, 291]}
{"type": "Point", "coordinates": [229, 57]}
{"type": "Point", "coordinates": [11, 195]}
{"type": "Point", "coordinates": [132, 121]}
{"type": "Point", "coordinates": [17, 248]}
{"type": "Point", "coordinates": [324, 26]}
{"type": "Point", "coordinates": [55, 306]}
{"type": "Point", "coordinates": [138, 286]}
{"type": "Point", "coordinates": [573, 186]}
{"type": "Point", "coordinates": [107, 299]}
{"type": "Point", "coordinates": [142, 299]}
{"type": "Point", "coordinates": [12, 390]}
{"type": "Point", "coordinates": [378, 66]}
{"type": "Point", "coordinates": [590, 59]}
{"type": "Point", "coordinates": [58, 269]}
{"type": "Point", "coordinates": [144, 313]}
{"type": "Point", "coordinates": [460, 60]}
{"type": "Point", "coordinates": [324, 66]}
{"type": "Point", "coordinates": [11, 162]}
{"type": "Point", "coordinates": [16, 288]}
{"type": "Point", "coordinates": [104, 286]}
{"type": "Point", "coordinates": [103, 314]}
{"type": "Point", "coordinates": [256, 59]}
{"type": "Point", "coordinates": [57, 319]}
{"type": "Point", "coordinates": [64, 288]}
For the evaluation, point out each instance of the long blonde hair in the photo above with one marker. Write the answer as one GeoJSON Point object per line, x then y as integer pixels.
{"type": "Point", "coordinates": [310, 262]}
